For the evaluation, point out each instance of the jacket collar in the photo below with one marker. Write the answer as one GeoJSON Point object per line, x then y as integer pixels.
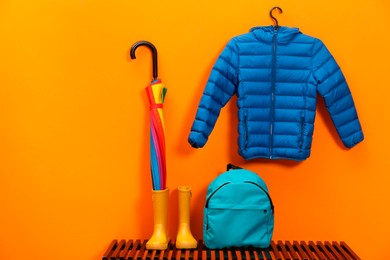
{"type": "Point", "coordinates": [266, 33]}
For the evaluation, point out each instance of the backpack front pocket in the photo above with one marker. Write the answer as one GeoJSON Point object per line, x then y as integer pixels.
{"type": "Point", "coordinates": [238, 225]}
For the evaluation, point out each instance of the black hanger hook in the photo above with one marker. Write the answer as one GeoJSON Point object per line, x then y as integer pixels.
{"type": "Point", "coordinates": [273, 17]}
{"type": "Point", "coordinates": [154, 54]}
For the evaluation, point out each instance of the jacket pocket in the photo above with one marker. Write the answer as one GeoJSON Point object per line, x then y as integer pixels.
{"type": "Point", "coordinates": [246, 128]}
{"type": "Point", "coordinates": [301, 130]}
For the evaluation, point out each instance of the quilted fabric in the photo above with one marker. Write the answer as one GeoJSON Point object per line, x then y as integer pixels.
{"type": "Point", "coordinates": [276, 75]}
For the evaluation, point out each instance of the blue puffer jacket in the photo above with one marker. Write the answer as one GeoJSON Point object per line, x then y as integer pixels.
{"type": "Point", "coordinates": [276, 75]}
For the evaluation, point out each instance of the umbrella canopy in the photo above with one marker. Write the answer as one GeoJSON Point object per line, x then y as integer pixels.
{"type": "Point", "coordinates": [156, 92]}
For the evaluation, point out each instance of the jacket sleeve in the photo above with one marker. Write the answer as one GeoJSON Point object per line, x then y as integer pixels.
{"type": "Point", "coordinates": [221, 86]}
{"type": "Point", "coordinates": [332, 86]}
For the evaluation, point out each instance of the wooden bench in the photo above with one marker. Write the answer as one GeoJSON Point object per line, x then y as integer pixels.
{"type": "Point", "coordinates": [134, 249]}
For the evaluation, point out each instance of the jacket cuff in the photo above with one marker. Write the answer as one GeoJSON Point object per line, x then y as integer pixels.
{"type": "Point", "coordinates": [353, 140]}
{"type": "Point", "coordinates": [197, 140]}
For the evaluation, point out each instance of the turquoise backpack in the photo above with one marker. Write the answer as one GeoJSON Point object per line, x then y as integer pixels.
{"type": "Point", "coordinates": [238, 211]}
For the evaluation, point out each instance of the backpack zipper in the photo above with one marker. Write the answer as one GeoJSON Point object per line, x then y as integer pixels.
{"type": "Point", "coordinates": [251, 182]}
{"type": "Point", "coordinates": [212, 194]}
{"type": "Point", "coordinates": [266, 193]}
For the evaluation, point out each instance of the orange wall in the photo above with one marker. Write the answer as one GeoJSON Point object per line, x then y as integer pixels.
{"type": "Point", "coordinates": [74, 169]}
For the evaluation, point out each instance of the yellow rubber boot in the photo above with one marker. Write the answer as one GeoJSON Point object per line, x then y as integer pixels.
{"type": "Point", "coordinates": [184, 239]}
{"type": "Point", "coordinates": [160, 238]}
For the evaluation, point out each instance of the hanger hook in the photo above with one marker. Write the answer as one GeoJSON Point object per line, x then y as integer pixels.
{"type": "Point", "coordinates": [273, 17]}
{"type": "Point", "coordinates": [154, 54]}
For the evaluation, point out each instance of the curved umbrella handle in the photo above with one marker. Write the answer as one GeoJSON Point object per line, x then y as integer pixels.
{"type": "Point", "coordinates": [154, 54]}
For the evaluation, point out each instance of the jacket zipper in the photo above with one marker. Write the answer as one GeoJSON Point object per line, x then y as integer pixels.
{"type": "Point", "coordinates": [271, 127]}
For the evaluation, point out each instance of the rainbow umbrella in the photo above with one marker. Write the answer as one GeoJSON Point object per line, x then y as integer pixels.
{"type": "Point", "coordinates": [155, 92]}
